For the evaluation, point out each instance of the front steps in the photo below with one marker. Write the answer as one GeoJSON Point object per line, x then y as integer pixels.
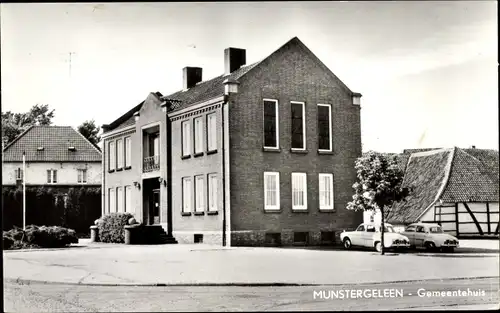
{"type": "Point", "coordinates": [155, 234]}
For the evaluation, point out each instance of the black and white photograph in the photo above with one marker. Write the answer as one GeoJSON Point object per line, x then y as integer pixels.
{"type": "Point", "coordinates": [250, 156]}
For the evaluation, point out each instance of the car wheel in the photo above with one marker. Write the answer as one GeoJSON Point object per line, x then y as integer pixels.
{"type": "Point", "coordinates": [430, 246]}
{"type": "Point", "coordinates": [347, 244]}
{"type": "Point", "coordinates": [378, 246]}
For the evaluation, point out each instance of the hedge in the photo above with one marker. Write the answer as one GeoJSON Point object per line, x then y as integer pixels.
{"type": "Point", "coordinates": [47, 206]}
{"type": "Point", "coordinates": [39, 237]}
{"type": "Point", "coordinates": [112, 227]}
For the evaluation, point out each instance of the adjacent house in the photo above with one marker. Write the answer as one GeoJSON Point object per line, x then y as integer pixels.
{"type": "Point", "coordinates": [262, 154]}
{"type": "Point", "coordinates": [456, 188]}
{"type": "Point", "coordinates": [56, 156]}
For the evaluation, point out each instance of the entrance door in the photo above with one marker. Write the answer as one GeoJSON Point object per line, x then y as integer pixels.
{"type": "Point", "coordinates": [154, 207]}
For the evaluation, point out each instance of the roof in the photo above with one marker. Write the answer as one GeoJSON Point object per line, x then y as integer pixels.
{"type": "Point", "coordinates": [210, 89]}
{"type": "Point", "coordinates": [55, 141]}
{"type": "Point", "coordinates": [450, 175]}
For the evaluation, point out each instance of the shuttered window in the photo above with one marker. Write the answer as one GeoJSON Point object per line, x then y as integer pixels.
{"type": "Point", "coordinates": [299, 191]}
{"type": "Point", "coordinates": [128, 199]}
{"type": "Point", "coordinates": [211, 132]}
{"type": "Point", "coordinates": [212, 193]}
{"type": "Point", "coordinates": [186, 138]}
{"type": "Point", "coordinates": [198, 135]}
{"type": "Point", "coordinates": [199, 192]}
{"type": "Point", "coordinates": [111, 156]}
{"type": "Point", "coordinates": [186, 195]}
{"type": "Point", "coordinates": [326, 192]}
{"type": "Point", "coordinates": [271, 191]}
{"type": "Point", "coordinates": [51, 176]}
{"type": "Point", "coordinates": [128, 152]}
{"type": "Point", "coordinates": [112, 200]}
{"type": "Point", "coordinates": [120, 199]}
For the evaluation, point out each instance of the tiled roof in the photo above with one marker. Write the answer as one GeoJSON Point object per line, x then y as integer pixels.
{"type": "Point", "coordinates": [426, 175]}
{"type": "Point", "coordinates": [55, 141]}
{"type": "Point", "coordinates": [473, 177]}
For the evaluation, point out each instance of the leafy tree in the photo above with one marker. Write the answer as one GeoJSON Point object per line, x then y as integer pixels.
{"type": "Point", "coordinates": [13, 124]}
{"type": "Point", "coordinates": [90, 131]}
{"type": "Point", "coordinates": [378, 186]}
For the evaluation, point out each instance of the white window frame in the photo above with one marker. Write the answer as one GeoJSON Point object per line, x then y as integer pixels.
{"type": "Point", "coordinates": [19, 173]}
{"type": "Point", "coordinates": [111, 200]}
{"type": "Point", "coordinates": [187, 195]}
{"type": "Point", "coordinates": [213, 197]}
{"type": "Point", "coordinates": [212, 132]}
{"type": "Point", "coordinates": [321, 188]}
{"type": "Point", "coordinates": [186, 137]}
{"type": "Point", "coordinates": [275, 207]}
{"type": "Point", "coordinates": [199, 194]}
{"type": "Point", "coordinates": [119, 154]}
{"type": "Point", "coordinates": [128, 199]}
{"type": "Point", "coordinates": [277, 123]}
{"type": "Point", "coordinates": [82, 175]}
{"type": "Point", "coordinates": [304, 144]}
{"type": "Point", "coordinates": [198, 134]}
{"type": "Point", "coordinates": [53, 176]}
{"type": "Point", "coordinates": [120, 199]}
{"type": "Point", "coordinates": [303, 176]}
{"type": "Point", "coordinates": [127, 142]}
{"type": "Point", "coordinates": [329, 126]}
{"type": "Point", "coordinates": [112, 156]}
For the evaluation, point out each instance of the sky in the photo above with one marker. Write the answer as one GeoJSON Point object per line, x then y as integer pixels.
{"type": "Point", "coordinates": [428, 71]}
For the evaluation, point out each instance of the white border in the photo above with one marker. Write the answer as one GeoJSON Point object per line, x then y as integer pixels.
{"type": "Point", "coordinates": [304, 140]}
{"type": "Point", "coordinates": [300, 207]}
{"type": "Point", "coordinates": [277, 206]}
{"type": "Point", "coordinates": [277, 124]}
{"type": "Point", "coordinates": [329, 126]}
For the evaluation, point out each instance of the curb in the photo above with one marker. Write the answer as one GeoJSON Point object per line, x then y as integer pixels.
{"type": "Point", "coordinates": [233, 284]}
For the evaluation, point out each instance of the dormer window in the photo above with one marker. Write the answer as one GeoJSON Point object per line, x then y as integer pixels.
{"type": "Point", "coordinates": [40, 149]}
{"type": "Point", "coordinates": [72, 148]}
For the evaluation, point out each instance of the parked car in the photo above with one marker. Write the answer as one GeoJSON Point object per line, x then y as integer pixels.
{"type": "Point", "coordinates": [369, 235]}
{"type": "Point", "coordinates": [430, 236]}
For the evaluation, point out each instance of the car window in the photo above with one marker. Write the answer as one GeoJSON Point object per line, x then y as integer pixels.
{"type": "Point", "coordinates": [420, 229]}
{"type": "Point", "coordinates": [436, 229]}
{"type": "Point", "coordinates": [410, 228]}
{"type": "Point", "coordinates": [361, 228]}
{"type": "Point", "coordinates": [370, 228]}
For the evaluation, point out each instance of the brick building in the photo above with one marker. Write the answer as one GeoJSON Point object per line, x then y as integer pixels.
{"type": "Point", "coordinates": [262, 154]}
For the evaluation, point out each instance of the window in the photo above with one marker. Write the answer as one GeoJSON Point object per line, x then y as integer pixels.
{"type": "Point", "coordinates": [299, 191]}
{"type": "Point", "coordinates": [112, 156]}
{"type": "Point", "coordinates": [19, 174]}
{"type": "Point", "coordinates": [211, 132]}
{"type": "Point", "coordinates": [112, 200]}
{"type": "Point", "coordinates": [198, 135]}
{"type": "Point", "coordinates": [271, 128]}
{"type": "Point", "coordinates": [128, 152]}
{"type": "Point", "coordinates": [186, 138]}
{"type": "Point", "coordinates": [82, 176]}
{"type": "Point", "coordinates": [370, 228]}
{"type": "Point", "coordinates": [271, 191]}
{"type": "Point", "coordinates": [298, 125]}
{"type": "Point", "coordinates": [324, 127]}
{"type": "Point", "coordinates": [326, 191]}
{"type": "Point", "coordinates": [300, 237]}
{"type": "Point", "coordinates": [212, 193]}
{"type": "Point", "coordinates": [119, 196]}
{"type": "Point", "coordinates": [199, 194]}
{"type": "Point", "coordinates": [420, 229]}
{"type": "Point", "coordinates": [361, 228]}
{"type": "Point", "coordinates": [51, 176]}
{"type": "Point", "coordinates": [410, 228]}
{"type": "Point", "coordinates": [186, 195]}
{"type": "Point", "coordinates": [128, 199]}
{"type": "Point", "coordinates": [119, 153]}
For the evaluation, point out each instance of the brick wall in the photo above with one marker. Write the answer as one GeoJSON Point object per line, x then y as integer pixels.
{"type": "Point", "coordinates": [290, 75]}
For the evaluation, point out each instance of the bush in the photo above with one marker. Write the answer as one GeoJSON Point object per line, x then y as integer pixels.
{"type": "Point", "coordinates": [7, 243]}
{"type": "Point", "coordinates": [40, 237]}
{"type": "Point", "coordinates": [111, 227]}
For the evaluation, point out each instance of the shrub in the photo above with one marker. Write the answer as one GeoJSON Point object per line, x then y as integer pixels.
{"type": "Point", "coordinates": [111, 227]}
{"type": "Point", "coordinates": [7, 242]}
{"type": "Point", "coordinates": [40, 237]}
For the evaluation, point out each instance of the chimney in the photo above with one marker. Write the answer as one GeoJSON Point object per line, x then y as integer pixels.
{"type": "Point", "coordinates": [191, 76]}
{"type": "Point", "coordinates": [234, 58]}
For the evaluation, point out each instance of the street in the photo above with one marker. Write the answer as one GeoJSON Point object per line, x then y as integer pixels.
{"type": "Point", "coordinates": [37, 297]}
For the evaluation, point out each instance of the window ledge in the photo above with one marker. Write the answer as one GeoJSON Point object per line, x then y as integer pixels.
{"type": "Point", "coordinates": [186, 213]}
{"type": "Point", "coordinates": [213, 213]}
{"type": "Point", "coordinates": [267, 149]}
{"type": "Point", "coordinates": [184, 157]}
{"type": "Point", "coordinates": [211, 152]}
{"type": "Point", "coordinates": [272, 211]}
{"type": "Point", "coordinates": [199, 154]}
{"type": "Point", "coordinates": [119, 169]}
{"type": "Point", "coordinates": [128, 167]}
{"type": "Point", "coordinates": [325, 152]}
{"type": "Point", "coordinates": [111, 171]}
{"type": "Point", "coordinates": [300, 210]}
{"type": "Point", "coordinates": [199, 213]}
{"type": "Point", "coordinates": [301, 151]}
{"type": "Point", "coordinates": [326, 210]}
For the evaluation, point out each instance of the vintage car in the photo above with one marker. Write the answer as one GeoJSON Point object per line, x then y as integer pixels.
{"type": "Point", "coordinates": [430, 236]}
{"type": "Point", "coordinates": [369, 235]}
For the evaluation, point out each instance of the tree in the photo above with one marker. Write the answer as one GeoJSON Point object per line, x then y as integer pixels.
{"type": "Point", "coordinates": [13, 124]}
{"type": "Point", "coordinates": [90, 131]}
{"type": "Point", "coordinates": [378, 186]}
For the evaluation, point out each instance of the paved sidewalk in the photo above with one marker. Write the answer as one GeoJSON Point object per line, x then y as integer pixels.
{"type": "Point", "coordinates": [205, 264]}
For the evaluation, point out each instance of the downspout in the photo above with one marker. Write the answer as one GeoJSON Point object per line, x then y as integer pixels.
{"type": "Point", "coordinates": [103, 179]}
{"type": "Point", "coordinates": [226, 100]}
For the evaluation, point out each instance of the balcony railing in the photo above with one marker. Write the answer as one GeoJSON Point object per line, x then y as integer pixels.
{"type": "Point", "coordinates": [151, 163]}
